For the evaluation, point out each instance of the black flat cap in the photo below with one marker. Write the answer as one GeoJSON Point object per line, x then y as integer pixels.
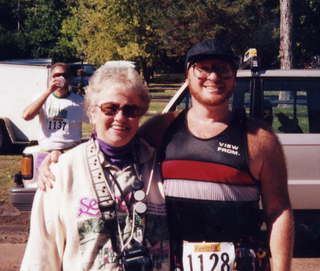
{"type": "Point", "coordinates": [211, 49]}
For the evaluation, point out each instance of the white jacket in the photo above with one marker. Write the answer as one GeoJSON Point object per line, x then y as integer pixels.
{"type": "Point", "coordinates": [66, 227]}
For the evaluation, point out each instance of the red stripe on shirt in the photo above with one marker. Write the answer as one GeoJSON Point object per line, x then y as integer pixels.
{"type": "Point", "coordinates": [204, 171]}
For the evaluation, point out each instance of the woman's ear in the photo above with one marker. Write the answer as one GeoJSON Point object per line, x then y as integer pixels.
{"type": "Point", "coordinates": [92, 111]}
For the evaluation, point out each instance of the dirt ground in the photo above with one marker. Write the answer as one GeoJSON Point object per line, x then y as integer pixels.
{"type": "Point", "coordinates": [14, 227]}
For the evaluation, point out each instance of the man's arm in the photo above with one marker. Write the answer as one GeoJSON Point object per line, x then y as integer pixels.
{"type": "Point", "coordinates": [33, 109]}
{"type": "Point", "coordinates": [46, 179]}
{"type": "Point", "coordinates": [268, 165]}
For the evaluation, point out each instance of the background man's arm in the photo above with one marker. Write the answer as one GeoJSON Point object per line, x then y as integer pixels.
{"type": "Point", "coordinates": [33, 109]}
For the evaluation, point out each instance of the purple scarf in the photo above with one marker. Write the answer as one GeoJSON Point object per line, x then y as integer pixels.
{"type": "Point", "coordinates": [118, 156]}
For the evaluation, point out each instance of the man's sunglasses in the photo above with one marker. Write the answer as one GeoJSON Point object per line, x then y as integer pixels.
{"type": "Point", "coordinates": [128, 110]}
{"type": "Point", "coordinates": [203, 72]}
{"type": "Point", "coordinates": [65, 75]}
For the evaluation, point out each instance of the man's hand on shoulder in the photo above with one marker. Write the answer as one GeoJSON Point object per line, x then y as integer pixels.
{"type": "Point", "coordinates": [154, 129]}
{"type": "Point", "coordinates": [46, 178]}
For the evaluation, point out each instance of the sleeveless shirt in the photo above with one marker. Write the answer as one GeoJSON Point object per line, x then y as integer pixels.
{"type": "Point", "coordinates": [210, 192]}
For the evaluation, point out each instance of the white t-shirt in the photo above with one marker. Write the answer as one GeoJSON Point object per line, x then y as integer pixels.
{"type": "Point", "coordinates": [60, 122]}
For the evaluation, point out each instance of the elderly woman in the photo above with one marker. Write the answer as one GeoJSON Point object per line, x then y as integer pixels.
{"type": "Point", "coordinates": [106, 210]}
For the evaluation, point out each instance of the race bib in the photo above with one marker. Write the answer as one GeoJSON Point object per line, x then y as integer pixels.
{"type": "Point", "coordinates": [202, 256]}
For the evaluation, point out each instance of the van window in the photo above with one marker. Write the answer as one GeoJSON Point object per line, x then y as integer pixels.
{"type": "Point", "coordinates": [299, 112]}
{"type": "Point", "coordinates": [289, 114]}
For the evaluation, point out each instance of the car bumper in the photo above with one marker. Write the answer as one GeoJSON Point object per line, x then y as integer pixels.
{"type": "Point", "coordinates": [22, 198]}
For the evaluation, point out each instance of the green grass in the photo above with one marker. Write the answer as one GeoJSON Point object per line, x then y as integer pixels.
{"type": "Point", "coordinates": [156, 106]}
{"type": "Point", "coordinates": [9, 166]}
{"type": "Point", "coordinates": [301, 116]}
{"type": "Point", "coordinates": [164, 92]}
{"type": "Point", "coordinates": [86, 130]}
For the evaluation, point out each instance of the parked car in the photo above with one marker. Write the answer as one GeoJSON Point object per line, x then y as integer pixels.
{"type": "Point", "coordinates": [20, 81]}
{"type": "Point", "coordinates": [81, 74]}
{"type": "Point", "coordinates": [88, 69]}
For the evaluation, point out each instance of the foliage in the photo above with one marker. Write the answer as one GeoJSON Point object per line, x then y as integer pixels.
{"type": "Point", "coordinates": [244, 23]}
{"type": "Point", "coordinates": [112, 29]}
{"type": "Point", "coordinates": [30, 28]}
{"type": "Point", "coordinates": [306, 34]}
{"type": "Point", "coordinates": [42, 25]}
{"type": "Point", "coordinates": [11, 43]}
{"type": "Point", "coordinates": [9, 166]}
{"type": "Point", "coordinates": [154, 34]}
{"type": "Point", "coordinates": [67, 44]}
{"type": "Point", "coordinates": [7, 14]}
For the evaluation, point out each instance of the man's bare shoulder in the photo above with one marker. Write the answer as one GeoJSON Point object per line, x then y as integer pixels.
{"type": "Point", "coordinates": [265, 150]}
{"type": "Point", "coordinates": [153, 129]}
{"type": "Point", "coordinates": [260, 133]}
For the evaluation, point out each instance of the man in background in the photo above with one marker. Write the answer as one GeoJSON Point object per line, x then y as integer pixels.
{"type": "Point", "coordinates": [60, 114]}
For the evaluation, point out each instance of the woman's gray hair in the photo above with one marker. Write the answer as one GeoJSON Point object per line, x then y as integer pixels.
{"type": "Point", "coordinates": [116, 74]}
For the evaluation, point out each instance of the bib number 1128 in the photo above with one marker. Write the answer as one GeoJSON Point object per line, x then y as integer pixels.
{"type": "Point", "coordinates": [208, 256]}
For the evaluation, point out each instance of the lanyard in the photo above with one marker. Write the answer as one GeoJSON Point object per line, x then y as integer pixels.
{"type": "Point", "coordinates": [107, 201]}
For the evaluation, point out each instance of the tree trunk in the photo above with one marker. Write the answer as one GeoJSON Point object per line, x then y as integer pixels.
{"type": "Point", "coordinates": [285, 42]}
{"type": "Point", "coordinates": [285, 34]}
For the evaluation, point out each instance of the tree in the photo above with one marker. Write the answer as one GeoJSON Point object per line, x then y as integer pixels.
{"type": "Point", "coordinates": [113, 29]}
{"type": "Point", "coordinates": [153, 32]}
{"type": "Point", "coordinates": [285, 43]}
{"type": "Point", "coordinates": [156, 33]}
{"type": "Point", "coordinates": [306, 32]}
{"type": "Point", "coordinates": [12, 41]}
{"type": "Point", "coordinates": [286, 34]}
{"type": "Point", "coordinates": [243, 23]}
{"type": "Point", "coordinates": [41, 25]}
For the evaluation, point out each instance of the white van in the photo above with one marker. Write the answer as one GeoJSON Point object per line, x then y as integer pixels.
{"type": "Point", "coordinates": [20, 81]}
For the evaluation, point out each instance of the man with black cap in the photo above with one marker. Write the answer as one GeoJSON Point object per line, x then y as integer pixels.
{"type": "Point", "coordinates": [216, 167]}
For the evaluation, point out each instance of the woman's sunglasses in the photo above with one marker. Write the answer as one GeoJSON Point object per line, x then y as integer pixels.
{"type": "Point", "coordinates": [128, 110]}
